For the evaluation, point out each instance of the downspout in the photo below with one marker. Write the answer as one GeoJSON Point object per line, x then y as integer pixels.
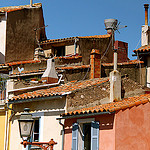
{"type": "Point", "coordinates": [63, 131]}
{"type": "Point", "coordinates": [8, 119]}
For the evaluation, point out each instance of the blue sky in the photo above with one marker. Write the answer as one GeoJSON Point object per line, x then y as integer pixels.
{"type": "Point", "coordinates": [66, 18]}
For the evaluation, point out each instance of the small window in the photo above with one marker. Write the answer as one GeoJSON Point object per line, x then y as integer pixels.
{"type": "Point", "coordinates": [35, 137]}
{"type": "Point", "coordinates": [85, 135]}
{"type": "Point", "coordinates": [59, 51]}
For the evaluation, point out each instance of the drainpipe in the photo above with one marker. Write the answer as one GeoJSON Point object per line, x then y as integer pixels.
{"type": "Point", "coordinates": [63, 131]}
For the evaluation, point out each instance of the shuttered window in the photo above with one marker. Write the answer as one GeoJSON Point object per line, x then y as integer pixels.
{"type": "Point", "coordinates": [75, 136]}
{"type": "Point", "coordinates": [93, 134]}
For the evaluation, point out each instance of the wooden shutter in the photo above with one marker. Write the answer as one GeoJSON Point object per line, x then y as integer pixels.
{"type": "Point", "coordinates": [75, 136]}
{"type": "Point", "coordinates": [94, 135]}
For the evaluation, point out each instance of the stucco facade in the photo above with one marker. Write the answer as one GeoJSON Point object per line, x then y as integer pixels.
{"type": "Point", "coordinates": [2, 129]}
{"type": "Point", "coordinates": [46, 111]}
{"type": "Point", "coordinates": [126, 129]}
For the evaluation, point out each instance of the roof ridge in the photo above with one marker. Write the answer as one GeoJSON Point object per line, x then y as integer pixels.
{"type": "Point", "coordinates": [8, 8]}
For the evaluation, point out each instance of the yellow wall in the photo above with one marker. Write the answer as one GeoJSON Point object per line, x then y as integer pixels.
{"type": "Point", "coordinates": [2, 129]}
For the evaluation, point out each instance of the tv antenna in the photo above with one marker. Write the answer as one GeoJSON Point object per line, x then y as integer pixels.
{"type": "Point", "coordinates": [113, 25]}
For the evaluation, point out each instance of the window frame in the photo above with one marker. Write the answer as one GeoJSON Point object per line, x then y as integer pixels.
{"type": "Point", "coordinates": [77, 134]}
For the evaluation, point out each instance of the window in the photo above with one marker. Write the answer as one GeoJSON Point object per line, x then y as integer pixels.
{"type": "Point", "coordinates": [36, 134]}
{"type": "Point", "coordinates": [35, 137]}
{"type": "Point", "coordinates": [85, 135]}
{"type": "Point", "coordinates": [59, 51]}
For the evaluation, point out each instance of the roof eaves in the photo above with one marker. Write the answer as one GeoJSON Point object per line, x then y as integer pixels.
{"type": "Point", "coordinates": [85, 115]}
{"type": "Point", "coordinates": [34, 99]}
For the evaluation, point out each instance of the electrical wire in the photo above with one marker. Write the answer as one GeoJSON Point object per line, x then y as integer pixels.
{"type": "Point", "coordinates": [106, 50]}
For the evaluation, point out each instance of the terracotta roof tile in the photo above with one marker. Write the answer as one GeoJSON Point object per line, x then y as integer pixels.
{"type": "Point", "coordinates": [60, 90]}
{"type": "Point", "coordinates": [15, 8]}
{"type": "Point", "coordinates": [41, 71]}
{"type": "Point", "coordinates": [114, 106]}
{"type": "Point", "coordinates": [124, 63]}
{"type": "Point", "coordinates": [20, 62]}
{"type": "Point", "coordinates": [142, 49]}
{"type": "Point", "coordinates": [73, 38]}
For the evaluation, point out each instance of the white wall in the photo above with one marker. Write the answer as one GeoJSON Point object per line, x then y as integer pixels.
{"type": "Point", "coordinates": [48, 111]}
{"type": "Point", "coordinates": [2, 37]}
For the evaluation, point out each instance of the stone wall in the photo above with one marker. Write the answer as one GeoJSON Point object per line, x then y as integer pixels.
{"type": "Point", "coordinates": [86, 46]}
{"type": "Point", "coordinates": [20, 34]}
{"type": "Point", "coordinates": [134, 72]}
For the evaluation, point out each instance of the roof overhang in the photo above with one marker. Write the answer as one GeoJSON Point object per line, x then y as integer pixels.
{"type": "Point", "coordinates": [86, 115]}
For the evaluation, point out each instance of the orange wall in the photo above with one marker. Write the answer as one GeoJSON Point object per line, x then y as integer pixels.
{"type": "Point", "coordinates": [133, 128]}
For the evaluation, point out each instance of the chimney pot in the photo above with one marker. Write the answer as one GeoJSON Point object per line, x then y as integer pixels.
{"type": "Point", "coordinates": [146, 6]}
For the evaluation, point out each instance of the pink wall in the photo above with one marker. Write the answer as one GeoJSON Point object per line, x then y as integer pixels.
{"type": "Point", "coordinates": [126, 130]}
{"type": "Point", "coordinates": [106, 134]}
{"type": "Point", "coordinates": [133, 128]}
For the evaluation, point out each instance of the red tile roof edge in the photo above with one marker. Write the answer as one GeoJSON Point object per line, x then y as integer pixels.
{"type": "Point", "coordinates": [60, 90]}
{"type": "Point", "coordinates": [15, 8]}
{"type": "Point", "coordinates": [124, 63]}
{"type": "Point", "coordinates": [57, 68]}
{"type": "Point", "coordinates": [73, 38]}
{"type": "Point", "coordinates": [143, 49]}
{"type": "Point", "coordinates": [20, 62]}
{"type": "Point", "coordinates": [112, 107]}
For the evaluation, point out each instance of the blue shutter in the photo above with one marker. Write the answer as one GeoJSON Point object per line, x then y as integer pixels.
{"type": "Point", "coordinates": [75, 136]}
{"type": "Point", "coordinates": [94, 135]}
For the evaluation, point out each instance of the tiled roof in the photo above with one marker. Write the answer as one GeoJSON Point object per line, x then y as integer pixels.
{"type": "Point", "coordinates": [113, 107]}
{"type": "Point", "coordinates": [74, 67]}
{"type": "Point", "coordinates": [143, 49]}
{"type": "Point", "coordinates": [15, 8]}
{"type": "Point", "coordinates": [68, 57]}
{"type": "Point", "coordinates": [73, 38]}
{"type": "Point", "coordinates": [124, 63]}
{"type": "Point", "coordinates": [59, 90]}
{"type": "Point", "coordinates": [95, 36]}
{"type": "Point", "coordinates": [20, 62]}
{"type": "Point", "coordinates": [57, 68]}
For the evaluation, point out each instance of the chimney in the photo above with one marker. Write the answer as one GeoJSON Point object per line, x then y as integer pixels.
{"type": "Point", "coordinates": [146, 13]}
{"type": "Point", "coordinates": [145, 36]}
{"type": "Point", "coordinates": [31, 3]}
{"type": "Point", "coordinates": [50, 73]}
{"type": "Point", "coordinates": [95, 61]}
{"type": "Point", "coordinates": [39, 54]}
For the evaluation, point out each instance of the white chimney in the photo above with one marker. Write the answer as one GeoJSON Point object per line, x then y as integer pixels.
{"type": "Point", "coordinates": [31, 3]}
{"type": "Point", "coordinates": [145, 34]}
{"type": "Point", "coordinates": [50, 73]}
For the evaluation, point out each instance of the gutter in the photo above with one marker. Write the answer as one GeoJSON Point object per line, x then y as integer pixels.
{"type": "Point", "coordinates": [86, 115]}
{"type": "Point", "coordinates": [63, 133]}
{"type": "Point", "coordinates": [34, 99]}
{"type": "Point", "coordinates": [34, 87]}
{"type": "Point", "coordinates": [140, 54]}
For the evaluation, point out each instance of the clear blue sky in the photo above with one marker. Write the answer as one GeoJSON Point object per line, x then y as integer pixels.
{"type": "Point", "coordinates": [66, 18]}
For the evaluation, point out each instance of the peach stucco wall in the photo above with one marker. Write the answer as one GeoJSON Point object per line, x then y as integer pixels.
{"type": "Point", "coordinates": [126, 130]}
{"type": "Point", "coordinates": [106, 132]}
{"type": "Point", "coordinates": [133, 128]}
